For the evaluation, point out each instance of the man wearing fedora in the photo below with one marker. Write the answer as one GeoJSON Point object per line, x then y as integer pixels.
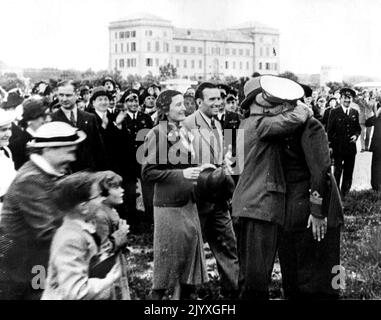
{"type": "Point", "coordinates": [259, 198]}
{"type": "Point", "coordinates": [91, 154]}
{"type": "Point", "coordinates": [343, 131]}
{"type": "Point", "coordinates": [216, 222]}
{"type": "Point", "coordinates": [29, 216]}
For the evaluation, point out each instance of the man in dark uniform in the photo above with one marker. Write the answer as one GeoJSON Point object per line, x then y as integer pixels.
{"type": "Point", "coordinates": [343, 132]}
{"type": "Point", "coordinates": [136, 125]}
{"type": "Point", "coordinates": [307, 255]}
{"type": "Point", "coordinates": [91, 154]}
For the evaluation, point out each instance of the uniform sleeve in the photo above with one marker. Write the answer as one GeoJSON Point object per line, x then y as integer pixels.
{"type": "Point", "coordinates": [283, 123]}
{"type": "Point", "coordinates": [72, 273]}
{"type": "Point", "coordinates": [36, 204]}
{"type": "Point", "coordinates": [315, 146]}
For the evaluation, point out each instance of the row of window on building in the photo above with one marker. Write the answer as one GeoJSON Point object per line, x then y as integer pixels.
{"type": "Point", "coordinates": [213, 51]}
{"type": "Point", "coordinates": [267, 52]}
{"type": "Point", "coordinates": [130, 47]}
{"type": "Point", "coordinates": [267, 66]}
{"type": "Point", "coordinates": [125, 34]}
{"type": "Point", "coordinates": [130, 63]}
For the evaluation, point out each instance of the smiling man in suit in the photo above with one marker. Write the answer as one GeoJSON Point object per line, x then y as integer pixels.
{"type": "Point", "coordinates": [91, 153]}
{"type": "Point", "coordinates": [216, 222]}
{"type": "Point", "coordinates": [343, 132]}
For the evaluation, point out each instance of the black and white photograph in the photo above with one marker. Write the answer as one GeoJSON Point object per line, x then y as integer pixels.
{"type": "Point", "coordinates": [191, 150]}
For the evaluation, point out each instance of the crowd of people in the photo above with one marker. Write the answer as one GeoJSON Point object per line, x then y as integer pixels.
{"type": "Point", "coordinates": [252, 178]}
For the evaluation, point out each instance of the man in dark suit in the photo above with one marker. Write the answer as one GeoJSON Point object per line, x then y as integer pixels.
{"type": "Point", "coordinates": [135, 125]}
{"type": "Point", "coordinates": [216, 222]}
{"type": "Point", "coordinates": [343, 132]}
{"type": "Point", "coordinates": [91, 153]}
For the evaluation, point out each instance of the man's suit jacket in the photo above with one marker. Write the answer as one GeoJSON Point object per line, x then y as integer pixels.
{"type": "Point", "coordinates": [203, 134]}
{"type": "Point", "coordinates": [341, 128]}
{"type": "Point", "coordinates": [91, 153]}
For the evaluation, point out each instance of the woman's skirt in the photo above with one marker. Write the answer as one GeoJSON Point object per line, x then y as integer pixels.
{"type": "Point", "coordinates": [178, 247]}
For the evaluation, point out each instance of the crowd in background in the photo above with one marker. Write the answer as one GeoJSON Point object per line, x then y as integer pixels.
{"type": "Point", "coordinates": [78, 174]}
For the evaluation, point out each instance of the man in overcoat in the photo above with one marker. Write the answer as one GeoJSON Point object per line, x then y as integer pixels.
{"type": "Point", "coordinates": [30, 216]}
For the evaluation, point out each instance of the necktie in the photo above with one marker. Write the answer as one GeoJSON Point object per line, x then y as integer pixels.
{"type": "Point", "coordinates": [216, 133]}
{"type": "Point", "coordinates": [72, 118]}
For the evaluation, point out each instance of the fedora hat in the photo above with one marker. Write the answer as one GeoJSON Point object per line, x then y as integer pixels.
{"type": "Point", "coordinates": [6, 117]}
{"type": "Point", "coordinates": [214, 184]}
{"type": "Point", "coordinates": [251, 89]}
{"type": "Point", "coordinates": [56, 134]}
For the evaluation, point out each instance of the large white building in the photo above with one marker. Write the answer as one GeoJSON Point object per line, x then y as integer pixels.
{"type": "Point", "coordinates": [330, 73]}
{"type": "Point", "coordinates": [141, 44]}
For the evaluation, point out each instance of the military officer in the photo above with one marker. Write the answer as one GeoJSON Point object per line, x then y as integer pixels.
{"type": "Point", "coordinates": [343, 132]}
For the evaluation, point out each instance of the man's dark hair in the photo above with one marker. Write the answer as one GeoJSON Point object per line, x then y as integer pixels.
{"type": "Point", "coordinates": [201, 87]}
{"type": "Point", "coordinates": [64, 83]}
{"type": "Point", "coordinates": [73, 190]}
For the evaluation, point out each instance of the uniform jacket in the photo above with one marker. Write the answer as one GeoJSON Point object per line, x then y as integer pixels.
{"type": "Point", "coordinates": [29, 219]}
{"type": "Point", "coordinates": [91, 153]}
{"type": "Point", "coordinates": [341, 128]}
{"type": "Point", "coordinates": [260, 192]}
{"type": "Point", "coordinates": [202, 132]}
{"type": "Point", "coordinates": [309, 185]}
{"type": "Point", "coordinates": [171, 188]}
{"type": "Point", "coordinates": [72, 249]}
{"type": "Point", "coordinates": [136, 131]}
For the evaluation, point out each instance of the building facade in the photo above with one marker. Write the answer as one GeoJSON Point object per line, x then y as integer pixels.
{"type": "Point", "coordinates": [141, 44]}
{"type": "Point", "coordinates": [329, 73]}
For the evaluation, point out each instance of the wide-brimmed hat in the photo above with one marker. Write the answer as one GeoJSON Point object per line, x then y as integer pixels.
{"type": "Point", "coordinates": [6, 117]}
{"type": "Point", "coordinates": [56, 134]}
{"type": "Point", "coordinates": [100, 91]}
{"type": "Point", "coordinates": [347, 92]}
{"type": "Point", "coordinates": [14, 99]}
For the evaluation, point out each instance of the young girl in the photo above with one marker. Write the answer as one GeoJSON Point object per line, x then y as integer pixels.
{"type": "Point", "coordinates": [112, 230]}
{"type": "Point", "coordinates": [74, 244]}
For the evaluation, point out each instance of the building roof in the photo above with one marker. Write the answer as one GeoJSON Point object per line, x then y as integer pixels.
{"type": "Point", "coordinates": [141, 18]}
{"type": "Point", "coordinates": [255, 26]}
{"type": "Point", "coordinates": [217, 35]}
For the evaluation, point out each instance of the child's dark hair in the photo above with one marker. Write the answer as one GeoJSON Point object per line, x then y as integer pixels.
{"type": "Point", "coordinates": [73, 190]}
{"type": "Point", "coordinates": [108, 180]}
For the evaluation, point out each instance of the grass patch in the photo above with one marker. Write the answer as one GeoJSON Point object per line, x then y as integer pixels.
{"type": "Point", "coordinates": [360, 255]}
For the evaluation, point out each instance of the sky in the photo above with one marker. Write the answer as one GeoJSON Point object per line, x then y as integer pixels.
{"type": "Point", "coordinates": [74, 33]}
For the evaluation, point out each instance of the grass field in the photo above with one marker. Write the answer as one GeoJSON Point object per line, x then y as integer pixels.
{"type": "Point", "coordinates": [360, 255]}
